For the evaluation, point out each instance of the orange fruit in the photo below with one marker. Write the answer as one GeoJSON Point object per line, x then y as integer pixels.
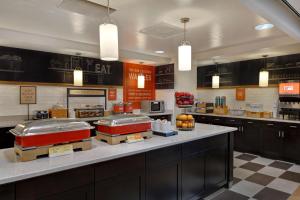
{"type": "Point", "coordinates": [178, 123]}
{"type": "Point", "coordinates": [184, 125]}
{"type": "Point", "coordinates": [183, 117]}
{"type": "Point", "coordinates": [190, 117]}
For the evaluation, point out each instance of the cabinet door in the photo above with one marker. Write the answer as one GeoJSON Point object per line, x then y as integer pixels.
{"type": "Point", "coordinates": [7, 139]}
{"type": "Point", "coordinates": [238, 141]}
{"type": "Point", "coordinates": [215, 168]}
{"type": "Point", "coordinates": [120, 179]}
{"type": "Point", "coordinates": [218, 121]}
{"type": "Point", "coordinates": [163, 174]}
{"type": "Point", "coordinates": [82, 193]}
{"type": "Point", "coordinates": [251, 136]}
{"type": "Point", "coordinates": [193, 176]}
{"type": "Point", "coordinates": [271, 141]}
{"type": "Point", "coordinates": [7, 192]}
{"type": "Point", "coordinates": [291, 150]}
{"type": "Point", "coordinates": [202, 119]}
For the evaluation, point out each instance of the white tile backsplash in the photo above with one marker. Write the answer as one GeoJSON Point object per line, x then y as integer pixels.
{"type": "Point", "coordinates": [47, 96]}
{"type": "Point", "coordinates": [266, 96]}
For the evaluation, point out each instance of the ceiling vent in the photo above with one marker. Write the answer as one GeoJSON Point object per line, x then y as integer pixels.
{"type": "Point", "coordinates": [162, 30]}
{"type": "Point", "coordinates": [85, 7]}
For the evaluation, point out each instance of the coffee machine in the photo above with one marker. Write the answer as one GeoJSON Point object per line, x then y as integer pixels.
{"type": "Point", "coordinates": [289, 100]}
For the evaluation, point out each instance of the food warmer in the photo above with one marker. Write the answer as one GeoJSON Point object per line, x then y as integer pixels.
{"type": "Point", "coordinates": [123, 124]}
{"type": "Point", "coordinates": [50, 132]}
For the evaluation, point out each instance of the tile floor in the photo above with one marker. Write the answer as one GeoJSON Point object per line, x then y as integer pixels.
{"type": "Point", "coordinates": [260, 178]}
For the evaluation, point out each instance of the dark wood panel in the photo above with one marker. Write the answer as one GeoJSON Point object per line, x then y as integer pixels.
{"type": "Point", "coordinates": [164, 77]}
{"type": "Point", "coordinates": [7, 192]}
{"type": "Point", "coordinates": [272, 143]}
{"type": "Point", "coordinates": [81, 193]}
{"type": "Point", "coordinates": [35, 66]}
{"type": "Point", "coordinates": [291, 137]}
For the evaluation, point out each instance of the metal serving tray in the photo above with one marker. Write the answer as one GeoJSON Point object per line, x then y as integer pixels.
{"type": "Point", "coordinates": [123, 119]}
{"type": "Point", "coordinates": [48, 126]}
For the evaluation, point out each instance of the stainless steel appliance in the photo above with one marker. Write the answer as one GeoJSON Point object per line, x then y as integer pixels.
{"type": "Point", "coordinates": [41, 114]}
{"type": "Point", "coordinates": [153, 106]}
{"type": "Point", "coordinates": [289, 99]}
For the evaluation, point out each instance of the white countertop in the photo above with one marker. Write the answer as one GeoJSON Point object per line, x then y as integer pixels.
{"type": "Point", "coordinates": [245, 117]}
{"type": "Point", "coordinates": [167, 112]}
{"type": "Point", "coordinates": [11, 170]}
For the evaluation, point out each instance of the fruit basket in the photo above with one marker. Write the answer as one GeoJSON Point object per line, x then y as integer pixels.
{"type": "Point", "coordinates": [184, 99]}
{"type": "Point", "coordinates": [185, 122]}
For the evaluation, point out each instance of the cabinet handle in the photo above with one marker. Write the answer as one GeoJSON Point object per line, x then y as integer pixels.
{"type": "Point", "coordinates": [232, 120]}
{"type": "Point", "coordinates": [293, 127]}
{"type": "Point", "coordinates": [242, 129]}
{"type": "Point", "coordinates": [270, 124]}
{"type": "Point", "coordinates": [217, 119]}
{"type": "Point", "coordinates": [279, 134]}
{"type": "Point", "coordinates": [250, 122]}
{"type": "Point", "coordinates": [283, 134]}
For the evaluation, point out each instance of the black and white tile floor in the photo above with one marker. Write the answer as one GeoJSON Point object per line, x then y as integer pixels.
{"type": "Point", "coordinates": [260, 178]}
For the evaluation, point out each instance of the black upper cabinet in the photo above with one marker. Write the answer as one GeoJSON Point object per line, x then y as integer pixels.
{"type": "Point", "coordinates": [246, 72]}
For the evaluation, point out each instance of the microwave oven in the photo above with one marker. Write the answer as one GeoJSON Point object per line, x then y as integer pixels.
{"type": "Point", "coordinates": [153, 106]}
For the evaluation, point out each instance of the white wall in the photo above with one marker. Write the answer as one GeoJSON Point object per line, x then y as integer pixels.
{"type": "Point", "coordinates": [47, 96]}
{"type": "Point", "coordinates": [265, 96]}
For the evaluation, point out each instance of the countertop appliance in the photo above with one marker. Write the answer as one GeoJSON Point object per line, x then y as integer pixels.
{"type": "Point", "coordinates": [153, 106]}
{"type": "Point", "coordinates": [50, 131]}
{"type": "Point", "coordinates": [91, 111]}
{"type": "Point", "coordinates": [41, 114]}
{"type": "Point", "coordinates": [123, 124]}
{"type": "Point", "coordinates": [289, 99]}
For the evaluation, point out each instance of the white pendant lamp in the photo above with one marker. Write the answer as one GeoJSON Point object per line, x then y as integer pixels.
{"type": "Point", "coordinates": [141, 81]}
{"type": "Point", "coordinates": [216, 81]}
{"type": "Point", "coordinates": [264, 75]}
{"type": "Point", "coordinates": [78, 77]}
{"type": "Point", "coordinates": [185, 51]}
{"type": "Point", "coordinates": [109, 42]}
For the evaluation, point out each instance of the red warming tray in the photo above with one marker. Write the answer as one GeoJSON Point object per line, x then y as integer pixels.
{"type": "Point", "coordinates": [49, 132]}
{"type": "Point", "coordinates": [123, 124]}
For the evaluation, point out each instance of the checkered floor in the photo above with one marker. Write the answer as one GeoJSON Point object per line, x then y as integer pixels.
{"type": "Point", "coordinates": [262, 179]}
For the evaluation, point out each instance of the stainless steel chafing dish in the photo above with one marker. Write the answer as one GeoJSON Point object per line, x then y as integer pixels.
{"type": "Point", "coordinates": [123, 119]}
{"type": "Point", "coordinates": [51, 131]}
{"type": "Point", "coordinates": [123, 124]}
{"type": "Point", "coordinates": [39, 127]}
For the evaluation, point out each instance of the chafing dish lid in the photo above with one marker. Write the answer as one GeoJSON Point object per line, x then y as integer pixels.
{"type": "Point", "coordinates": [123, 119]}
{"type": "Point", "coordinates": [48, 126]}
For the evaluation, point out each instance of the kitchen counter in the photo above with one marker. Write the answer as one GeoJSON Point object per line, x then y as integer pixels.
{"type": "Point", "coordinates": [167, 112]}
{"type": "Point", "coordinates": [245, 117]}
{"type": "Point", "coordinates": [12, 171]}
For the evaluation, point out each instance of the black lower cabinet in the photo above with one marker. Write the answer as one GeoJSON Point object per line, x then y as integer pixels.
{"type": "Point", "coordinates": [250, 137]}
{"type": "Point", "coordinates": [163, 174]}
{"type": "Point", "coordinates": [121, 179]}
{"type": "Point", "coordinates": [7, 192]}
{"type": "Point", "coordinates": [72, 184]}
{"type": "Point", "coordinates": [215, 169]}
{"type": "Point", "coordinates": [291, 146]}
{"type": "Point", "coordinates": [271, 140]}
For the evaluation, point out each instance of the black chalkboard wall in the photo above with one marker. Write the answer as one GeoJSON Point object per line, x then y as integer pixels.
{"type": "Point", "coordinates": [23, 65]}
{"type": "Point", "coordinates": [246, 73]}
{"type": "Point", "coordinates": [164, 77]}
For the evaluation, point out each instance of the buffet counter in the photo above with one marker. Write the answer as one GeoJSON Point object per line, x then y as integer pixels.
{"type": "Point", "coordinates": [12, 171]}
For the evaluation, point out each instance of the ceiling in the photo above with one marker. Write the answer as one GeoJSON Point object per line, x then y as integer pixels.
{"type": "Point", "coordinates": [217, 28]}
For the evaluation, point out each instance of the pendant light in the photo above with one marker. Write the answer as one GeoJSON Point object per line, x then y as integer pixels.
{"type": "Point", "coordinates": [216, 79]}
{"type": "Point", "coordinates": [264, 75]}
{"type": "Point", "coordinates": [141, 81]}
{"type": "Point", "coordinates": [108, 35]}
{"type": "Point", "coordinates": [185, 51]}
{"type": "Point", "coordinates": [77, 74]}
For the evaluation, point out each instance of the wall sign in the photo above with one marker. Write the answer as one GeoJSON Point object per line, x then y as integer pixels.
{"type": "Point", "coordinates": [27, 94]}
{"type": "Point", "coordinates": [131, 92]}
{"type": "Point", "coordinates": [21, 65]}
{"type": "Point", "coordinates": [164, 75]}
{"type": "Point", "coordinates": [240, 94]}
{"type": "Point", "coordinates": [112, 94]}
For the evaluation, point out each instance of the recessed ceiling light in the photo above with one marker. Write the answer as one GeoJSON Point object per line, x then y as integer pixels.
{"type": "Point", "coordinates": [159, 52]}
{"type": "Point", "coordinates": [263, 26]}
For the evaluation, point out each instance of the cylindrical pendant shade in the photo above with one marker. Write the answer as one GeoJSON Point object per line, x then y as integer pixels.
{"type": "Point", "coordinates": [109, 44]}
{"type": "Point", "coordinates": [216, 82]}
{"type": "Point", "coordinates": [185, 57]}
{"type": "Point", "coordinates": [141, 81]}
{"type": "Point", "coordinates": [263, 79]}
{"type": "Point", "coordinates": [78, 77]}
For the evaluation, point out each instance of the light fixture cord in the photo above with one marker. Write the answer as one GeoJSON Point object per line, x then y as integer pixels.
{"type": "Point", "coordinates": [184, 31]}
{"type": "Point", "coordinates": [108, 8]}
